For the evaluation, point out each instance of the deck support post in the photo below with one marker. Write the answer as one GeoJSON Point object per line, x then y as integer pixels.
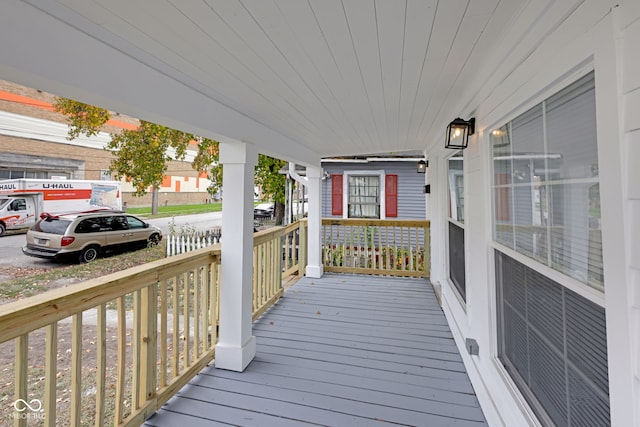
{"type": "Point", "coordinates": [314, 254]}
{"type": "Point", "coordinates": [236, 346]}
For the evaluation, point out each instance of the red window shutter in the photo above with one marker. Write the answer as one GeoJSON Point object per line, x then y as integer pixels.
{"type": "Point", "coordinates": [336, 194]}
{"type": "Point", "coordinates": [391, 195]}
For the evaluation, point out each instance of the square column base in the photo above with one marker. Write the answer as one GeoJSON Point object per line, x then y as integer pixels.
{"type": "Point", "coordinates": [314, 271]}
{"type": "Point", "coordinates": [234, 358]}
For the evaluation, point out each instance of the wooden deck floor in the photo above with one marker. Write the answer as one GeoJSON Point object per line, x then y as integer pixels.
{"type": "Point", "coordinates": [344, 350]}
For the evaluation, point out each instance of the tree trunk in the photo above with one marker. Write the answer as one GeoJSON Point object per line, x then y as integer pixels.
{"type": "Point", "coordinates": [154, 201]}
{"type": "Point", "coordinates": [279, 212]}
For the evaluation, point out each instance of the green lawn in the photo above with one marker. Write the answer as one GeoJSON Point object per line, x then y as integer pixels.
{"type": "Point", "coordinates": [173, 210]}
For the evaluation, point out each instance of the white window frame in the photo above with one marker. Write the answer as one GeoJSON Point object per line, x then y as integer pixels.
{"type": "Point", "coordinates": [345, 189]}
{"type": "Point", "coordinates": [450, 201]}
{"type": "Point", "coordinates": [592, 294]}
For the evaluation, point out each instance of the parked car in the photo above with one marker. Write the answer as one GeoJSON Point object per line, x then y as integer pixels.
{"type": "Point", "coordinates": [263, 210]}
{"type": "Point", "coordinates": [85, 236]}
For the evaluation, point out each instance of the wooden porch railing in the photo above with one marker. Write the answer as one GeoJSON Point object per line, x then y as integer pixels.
{"type": "Point", "coordinates": [137, 336]}
{"type": "Point", "coordinates": [118, 347]}
{"type": "Point", "coordinates": [369, 246]}
{"type": "Point", "coordinates": [272, 248]}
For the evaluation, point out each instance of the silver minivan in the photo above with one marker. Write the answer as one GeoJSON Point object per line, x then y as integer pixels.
{"type": "Point", "coordinates": [86, 236]}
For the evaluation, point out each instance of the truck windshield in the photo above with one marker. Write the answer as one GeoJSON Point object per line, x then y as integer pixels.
{"type": "Point", "coordinates": [4, 202]}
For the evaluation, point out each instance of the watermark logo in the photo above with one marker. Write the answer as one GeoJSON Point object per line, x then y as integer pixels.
{"type": "Point", "coordinates": [28, 410]}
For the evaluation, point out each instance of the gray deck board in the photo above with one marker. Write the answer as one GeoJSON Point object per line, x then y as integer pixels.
{"type": "Point", "coordinates": [344, 350]}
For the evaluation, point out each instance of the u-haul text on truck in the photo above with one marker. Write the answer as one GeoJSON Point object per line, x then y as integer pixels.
{"type": "Point", "coordinates": [22, 201]}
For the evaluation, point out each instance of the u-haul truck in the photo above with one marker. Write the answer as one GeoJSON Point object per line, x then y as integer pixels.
{"type": "Point", "coordinates": [23, 201]}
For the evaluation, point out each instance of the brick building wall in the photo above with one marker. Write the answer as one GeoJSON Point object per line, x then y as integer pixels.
{"type": "Point", "coordinates": [82, 162]}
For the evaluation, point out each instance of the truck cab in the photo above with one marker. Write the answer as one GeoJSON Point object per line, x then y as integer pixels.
{"type": "Point", "coordinates": [18, 211]}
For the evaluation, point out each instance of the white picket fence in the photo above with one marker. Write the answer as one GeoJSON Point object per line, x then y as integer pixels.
{"type": "Point", "coordinates": [180, 244]}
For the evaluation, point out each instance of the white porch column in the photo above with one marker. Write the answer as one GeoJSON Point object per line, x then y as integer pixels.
{"type": "Point", "coordinates": [314, 218]}
{"type": "Point", "coordinates": [236, 346]}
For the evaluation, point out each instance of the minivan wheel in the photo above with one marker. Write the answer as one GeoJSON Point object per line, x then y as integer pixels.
{"type": "Point", "coordinates": [89, 254]}
{"type": "Point", "coordinates": [154, 239]}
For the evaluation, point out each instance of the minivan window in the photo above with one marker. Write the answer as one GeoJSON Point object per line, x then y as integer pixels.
{"type": "Point", "coordinates": [135, 222]}
{"type": "Point", "coordinates": [52, 225]}
{"type": "Point", "coordinates": [89, 225]}
{"type": "Point", "coordinates": [119, 223]}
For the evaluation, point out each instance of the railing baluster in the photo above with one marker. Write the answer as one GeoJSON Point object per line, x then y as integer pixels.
{"type": "Point", "coordinates": [302, 258]}
{"type": "Point", "coordinates": [164, 312]}
{"type": "Point", "coordinates": [101, 365]}
{"type": "Point", "coordinates": [148, 343]}
{"type": "Point", "coordinates": [196, 314]}
{"type": "Point", "coordinates": [186, 327]}
{"type": "Point", "coordinates": [261, 261]}
{"type": "Point", "coordinates": [175, 334]}
{"type": "Point", "coordinates": [21, 374]}
{"type": "Point", "coordinates": [137, 325]}
{"type": "Point", "coordinates": [296, 245]}
{"type": "Point", "coordinates": [379, 251]}
{"type": "Point", "coordinates": [386, 254]}
{"type": "Point", "coordinates": [427, 251]}
{"type": "Point", "coordinates": [286, 249]}
{"type": "Point", "coordinates": [122, 360]}
{"type": "Point", "coordinates": [277, 283]}
{"type": "Point", "coordinates": [51, 375]}
{"type": "Point", "coordinates": [256, 273]}
{"type": "Point", "coordinates": [76, 369]}
{"type": "Point", "coordinates": [418, 250]}
{"type": "Point", "coordinates": [275, 254]}
{"type": "Point", "coordinates": [204, 308]}
{"type": "Point", "coordinates": [411, 249]}
{"type": "Point", "coordinates": [214, 301]}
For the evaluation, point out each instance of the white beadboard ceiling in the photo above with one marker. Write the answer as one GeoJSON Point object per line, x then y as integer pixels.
{"type": "Point", "coordinates": [301, 79]}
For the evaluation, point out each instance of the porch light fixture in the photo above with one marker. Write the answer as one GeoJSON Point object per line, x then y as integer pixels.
{"type": "Point", "coordinates": [458, 133]}
{"type": "Point", "coordinates": [422, 166]}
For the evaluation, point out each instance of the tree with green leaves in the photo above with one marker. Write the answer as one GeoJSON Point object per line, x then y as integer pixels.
{"type": "Point", "coordinates": [272, 182]}
{"type": "Point", "coordinates": [82, 118]}
{"type": "Point", "coordinates": [206, 161]}
{"type": "Point", "coordinates": [142, 155]}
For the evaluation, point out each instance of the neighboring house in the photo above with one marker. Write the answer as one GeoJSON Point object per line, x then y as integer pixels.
{"type": "Point", "coordinates": [373, 187]}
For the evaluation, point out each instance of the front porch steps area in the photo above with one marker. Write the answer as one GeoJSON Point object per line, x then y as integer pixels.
{"type": "Point", "coordinates": [343, 350]}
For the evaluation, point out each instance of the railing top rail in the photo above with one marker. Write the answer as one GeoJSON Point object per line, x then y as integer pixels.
{"type": "Point", "coordinates": [377, 222]}
{"type": "Point", "coordinates": [35, 312]}
{"type": "Point", "coordinates": [269, 234]}
{"type": "Point", "coordinates": [293, 226]}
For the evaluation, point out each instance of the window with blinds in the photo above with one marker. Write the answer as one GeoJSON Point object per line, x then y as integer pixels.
{"type": "Point", "coordinates": [553, 343]}
{"type": "Point", "coordinates": [546, 186]}
{"type": "Point", "coordinates": [364, 196]}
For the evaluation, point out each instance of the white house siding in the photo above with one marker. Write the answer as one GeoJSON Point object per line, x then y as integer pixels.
{"type": "Point", "coordinates": [629, 25]}
{"type": "Point", "coordinates": [411, 197]}
{"type": "Point", "coordinates": [610, 48]}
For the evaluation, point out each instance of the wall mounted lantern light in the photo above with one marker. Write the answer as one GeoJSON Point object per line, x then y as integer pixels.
{"type": "Point", "coordinates": [458, 133]}
{"type": "Point", "coordinates": [422, 166]}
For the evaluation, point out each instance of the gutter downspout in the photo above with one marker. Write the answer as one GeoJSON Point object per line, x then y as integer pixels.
{"type": "Point", "coordinates": [302, 180]}
{"type": "Point", "coordinates": [293, 174]}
